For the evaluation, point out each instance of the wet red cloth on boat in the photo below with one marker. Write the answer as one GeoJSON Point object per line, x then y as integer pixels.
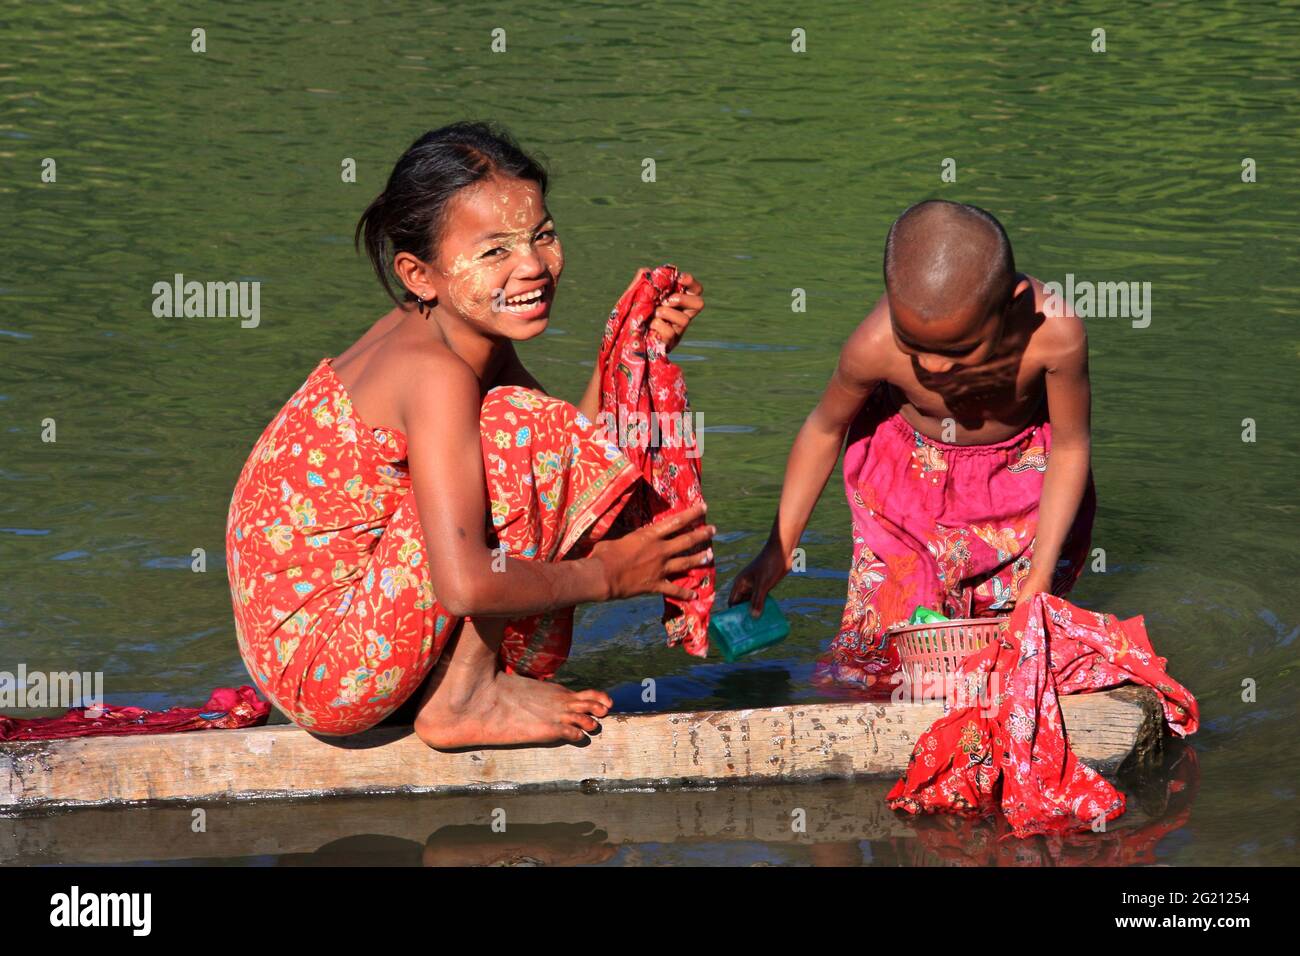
{"type": "Point", "coordinates": [226, 709]}
{"type": "Point", "coordinates": [1018, 758]}
{"type": "Point", "coordinates": [950, 840]}
{"type": "Point", "coordinates": [639, 386]}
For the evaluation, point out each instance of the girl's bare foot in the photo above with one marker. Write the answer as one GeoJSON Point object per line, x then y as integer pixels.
{"type": "Point", "coordinates": [509, 709]}
{"type": "Point", "coordinates": [469, 702]}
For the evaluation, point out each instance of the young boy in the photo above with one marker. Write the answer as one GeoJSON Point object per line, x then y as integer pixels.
{"type": "Point", "coordinates": [967, 467]}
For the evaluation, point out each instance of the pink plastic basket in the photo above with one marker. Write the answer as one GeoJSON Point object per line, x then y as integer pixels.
{"type": "Point", "coordinates": [935, 651]}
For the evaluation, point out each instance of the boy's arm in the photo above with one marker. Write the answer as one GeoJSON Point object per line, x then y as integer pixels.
{"type": "Point", "coordinates": [814, 453]}
{"type": "Point", "coordinates": [1069, 399]}
{"type": "Point", "coordinates": [817, 446]}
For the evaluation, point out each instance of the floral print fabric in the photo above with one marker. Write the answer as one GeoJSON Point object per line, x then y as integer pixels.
{"type": "Point", "coordinates": [1011, 750]}
{"type": "Point", "coordinates": [335, 615]}
{"type": "Point", "coordinates": [948, 527]}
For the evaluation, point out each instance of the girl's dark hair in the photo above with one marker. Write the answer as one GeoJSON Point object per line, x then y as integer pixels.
{"type": "Point", "coordinates": [410, 215]}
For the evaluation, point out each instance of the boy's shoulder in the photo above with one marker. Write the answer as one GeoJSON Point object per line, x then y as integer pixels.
{"type": "Point", "coordinates": [1058, 334]}
{"type": "Point", "coordinates": [875, 329]}
{"type": "Point", "coordinates": [866, 352]}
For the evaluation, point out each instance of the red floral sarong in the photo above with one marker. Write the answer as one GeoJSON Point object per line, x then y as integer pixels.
{"type": "Point", "coordinates": [1019, 758]}
{"type": "Point", "coordinates": [643, 400]}
{"type": "Point", "coordinates": [335, 615]}
{"type": "Point", "coordinates": [948, 527]}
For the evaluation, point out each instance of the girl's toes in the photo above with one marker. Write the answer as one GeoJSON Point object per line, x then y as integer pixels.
{"type": "Point", "coordinates": [585, 706]}
{"type": "Point", "coordinates": [585, 721]}
{"type": "Point", "coordinates": [572, 734]}
{"type": "Point", "coordinates": [598, 697]}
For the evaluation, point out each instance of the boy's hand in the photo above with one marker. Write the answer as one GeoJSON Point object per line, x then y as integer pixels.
{"type": "Point", "coordinates": [1033, 585]}
{"type": "Point", "coordinates": [671, 318]}
{"type": "Point", "coordinates": [759, 577]}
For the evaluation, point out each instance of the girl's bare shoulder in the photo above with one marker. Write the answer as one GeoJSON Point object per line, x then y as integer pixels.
{"type": "Point", "coordinates": [427, 379]}
{"type": "Point", "coordinates": [395, 375]}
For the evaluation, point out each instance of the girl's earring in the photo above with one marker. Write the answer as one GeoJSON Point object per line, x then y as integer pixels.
{"type": "Point", "coordinates": [426, 305]}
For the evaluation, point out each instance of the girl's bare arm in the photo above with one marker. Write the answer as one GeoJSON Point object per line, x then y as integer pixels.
{"type": "Point", "coordinates": [449, 484]}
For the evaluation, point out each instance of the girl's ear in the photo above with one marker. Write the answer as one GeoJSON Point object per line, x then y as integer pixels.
{"type": "Point", "coordinates": [414, 275]}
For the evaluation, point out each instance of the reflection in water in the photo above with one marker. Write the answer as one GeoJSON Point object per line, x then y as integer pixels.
{"type": "Point", "coordinates": [1160, 803]}
{"type": "Point", "coordinates": [1164, 806]}
{"type": "Point", "coordinates": [530, 844]}
{"type": "Point", "coordinates": [833, 823]}
{"type": "Point", "coordinates": [526, 844]}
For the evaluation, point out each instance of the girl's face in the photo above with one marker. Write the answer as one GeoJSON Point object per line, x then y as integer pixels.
{"type": "Point", "coordinates": [500, 259]}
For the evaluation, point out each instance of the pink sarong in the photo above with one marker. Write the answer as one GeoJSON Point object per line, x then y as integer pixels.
{"type": "Point", "coordinates": [948, 527]}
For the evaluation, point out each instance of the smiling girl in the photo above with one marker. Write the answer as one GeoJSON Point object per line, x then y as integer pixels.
{"type": "Point", "coordinates": [399, 528]}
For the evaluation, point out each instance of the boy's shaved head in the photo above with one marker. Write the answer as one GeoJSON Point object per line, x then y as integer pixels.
{"type": "Point", "coordinates": [943, 257]}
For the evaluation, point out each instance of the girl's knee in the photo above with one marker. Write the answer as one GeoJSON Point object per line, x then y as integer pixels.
{"type": "Point", "coordinates": [517, 398]}
{"type": "Point", "coordinates": [512, 416]}
{"type": "Point", "coordinates": [341, 723]}
{"type": "Point", "coordinates": [341, 727]}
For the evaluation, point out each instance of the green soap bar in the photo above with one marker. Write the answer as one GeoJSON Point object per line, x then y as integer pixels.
{"type": "Point", "coordinates": [923, 615]}
{"type": "Point", "coordinates": [735, 632]}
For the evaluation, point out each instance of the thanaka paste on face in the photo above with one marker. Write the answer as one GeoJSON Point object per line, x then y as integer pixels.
{"type": "Point", "coordinates": [474, 281]}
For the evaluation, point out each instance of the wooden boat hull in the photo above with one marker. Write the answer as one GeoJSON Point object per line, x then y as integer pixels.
{"type": "Point", "coordinates": [795, 743]}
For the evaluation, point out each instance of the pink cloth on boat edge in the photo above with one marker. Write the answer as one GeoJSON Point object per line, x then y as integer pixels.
{"type": "Point", "coordinates": [226, 709]}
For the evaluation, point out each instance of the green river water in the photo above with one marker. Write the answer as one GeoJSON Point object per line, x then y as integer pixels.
{"type": "Point", "coordinates": [775, 170]}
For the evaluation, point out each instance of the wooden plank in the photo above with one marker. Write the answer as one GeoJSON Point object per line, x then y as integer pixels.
{"type": "Point", "coordinates": [548, 825]}
{"type": "Point", "coordinates": [787, 744]}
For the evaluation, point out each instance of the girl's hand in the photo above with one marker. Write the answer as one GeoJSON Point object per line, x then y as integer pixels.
{"type": "Point", "coordinates": [643, 561]}
{"type": "Point", "coordinates": [671, 318]}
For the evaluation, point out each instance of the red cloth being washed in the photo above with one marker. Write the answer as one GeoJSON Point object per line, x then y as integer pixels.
{"type": "Point", "coordinates": [640, 386]}
{"type": "Point", "coordinates": [1018, 758]}
{"type": "Point", "coordinates": [226, 709]}
{"type": "Point", "coordinates": [952, 840]}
